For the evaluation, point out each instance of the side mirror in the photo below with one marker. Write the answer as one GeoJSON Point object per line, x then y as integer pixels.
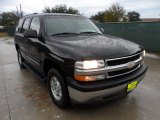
{"type": "Point", "coordinates": [30, 33]}
{"type": "Point", "coordinates": [102, 30]}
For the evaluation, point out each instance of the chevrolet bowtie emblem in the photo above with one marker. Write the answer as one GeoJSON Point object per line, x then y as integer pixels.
{"type": "Point", "coordinates": [131, 65]}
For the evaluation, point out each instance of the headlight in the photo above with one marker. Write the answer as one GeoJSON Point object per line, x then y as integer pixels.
{"type": "Point", "coordinates": [89, 64]}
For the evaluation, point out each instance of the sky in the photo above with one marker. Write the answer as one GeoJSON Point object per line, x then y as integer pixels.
{"type": "Point", "coordinates": [146, 8]}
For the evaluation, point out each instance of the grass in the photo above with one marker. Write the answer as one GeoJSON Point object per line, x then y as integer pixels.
{"type": "Point", "coordinates": [3, 34]}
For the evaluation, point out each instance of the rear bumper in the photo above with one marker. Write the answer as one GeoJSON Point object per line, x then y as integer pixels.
{"type": "Point", "coordinates": [100, 90]}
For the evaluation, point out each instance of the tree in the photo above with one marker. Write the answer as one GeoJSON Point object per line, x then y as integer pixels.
{"type": "Point", "coordinates": [133, 16]}
{"type": "Point", "coordinates": [61, 9]}
{"type": "Point", "coordinates": [115, 13]}
{"type": "Point", "coordinates": [9, 19]}
{"type": "Point", "coordinates": [98, 17]}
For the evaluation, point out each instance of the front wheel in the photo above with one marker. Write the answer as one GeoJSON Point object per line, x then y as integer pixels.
{"type": "Point", "coordinates": [57, 88]}
{"type": "Point", "coordinates": [20, 59]}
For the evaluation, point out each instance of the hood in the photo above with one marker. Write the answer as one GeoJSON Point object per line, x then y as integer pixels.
{"type": "Point", "coordinates": [85, 47]}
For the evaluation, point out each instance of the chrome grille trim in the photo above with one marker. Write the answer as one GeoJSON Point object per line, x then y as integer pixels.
{"type": "Point", "coordinates": [124, 73]}
{"type": "Point", "coordinates": [123, 57]}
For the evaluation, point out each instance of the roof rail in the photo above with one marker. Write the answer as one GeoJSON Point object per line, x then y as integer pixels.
{"type": "Point", "coordinates": [30, 14]}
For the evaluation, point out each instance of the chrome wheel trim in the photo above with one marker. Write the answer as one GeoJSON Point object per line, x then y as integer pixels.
{"type": "Point", "coordinates": [56, 88]}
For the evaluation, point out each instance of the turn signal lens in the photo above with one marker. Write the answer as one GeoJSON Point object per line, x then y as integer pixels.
{"type": "Point", "coordinates": [89, 78]}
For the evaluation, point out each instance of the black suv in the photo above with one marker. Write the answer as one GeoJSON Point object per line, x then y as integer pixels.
{"type": "Point", "coordinates": [79, 62]}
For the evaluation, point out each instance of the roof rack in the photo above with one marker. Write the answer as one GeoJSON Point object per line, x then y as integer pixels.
{"type": "Point", "coordinates": [30, 14]}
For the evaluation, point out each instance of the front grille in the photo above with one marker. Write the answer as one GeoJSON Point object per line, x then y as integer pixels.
{"type": "Point", "coordinates": [123, 72]}
{"type": "Point", "coordinates": [121, 66]}
{"type": "Point", "coordinates": [122, 60]}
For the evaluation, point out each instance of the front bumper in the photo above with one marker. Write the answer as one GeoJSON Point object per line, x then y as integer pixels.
{"type": "Point", "coordinates": [99, 90]}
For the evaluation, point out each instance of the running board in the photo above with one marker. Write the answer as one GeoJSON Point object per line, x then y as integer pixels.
{"type": "Point", "coordinates": [34, 71]}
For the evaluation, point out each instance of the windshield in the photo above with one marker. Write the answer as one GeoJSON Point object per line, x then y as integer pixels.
{"type": "Point", "coordinates": [55, 25]}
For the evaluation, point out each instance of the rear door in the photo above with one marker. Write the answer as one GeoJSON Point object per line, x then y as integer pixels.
{"type": "Point", "coordinates": [19, 37]}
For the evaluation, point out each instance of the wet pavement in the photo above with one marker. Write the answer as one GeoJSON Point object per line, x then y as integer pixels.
{"type": "Point", "coordinates": [24, 97]}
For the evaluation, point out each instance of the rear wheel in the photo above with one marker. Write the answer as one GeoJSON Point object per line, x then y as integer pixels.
{"type": "Point", "coordinates": [20, 59]}
{"type": "Point", "coordinates": [57, 88]}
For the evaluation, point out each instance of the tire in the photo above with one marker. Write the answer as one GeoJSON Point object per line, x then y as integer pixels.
{"type": "Point", "coordinates": [58, 89]}
{"type": "Point", "coordinates": [20, 60]}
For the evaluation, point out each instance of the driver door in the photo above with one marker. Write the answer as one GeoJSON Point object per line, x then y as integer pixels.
{"type": "Point", "coordinates": [34, 46]}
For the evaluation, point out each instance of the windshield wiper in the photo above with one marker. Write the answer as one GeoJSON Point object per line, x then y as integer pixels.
{"type": "Point", "coordinates": [65, 33]}
{"type": "Point", "coordinates": [89, 32]}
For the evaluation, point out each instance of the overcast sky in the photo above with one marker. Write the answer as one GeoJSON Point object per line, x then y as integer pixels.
{"type": "Point", "coordinates": [147, 8]}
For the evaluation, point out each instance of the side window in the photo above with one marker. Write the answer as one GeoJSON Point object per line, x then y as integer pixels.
{"type": "Point", "coordinates": [26, 24]}
{"type": "Point", "coordinates": [19, 25]}
{"type": "Point", "coordinates": [35, 24]}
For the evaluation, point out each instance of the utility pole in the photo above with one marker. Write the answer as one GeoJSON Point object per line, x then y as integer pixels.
{"type": "Point", "coordinates": [20, 11]}
{"type": "Point", "coordinates": [17, 11]}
